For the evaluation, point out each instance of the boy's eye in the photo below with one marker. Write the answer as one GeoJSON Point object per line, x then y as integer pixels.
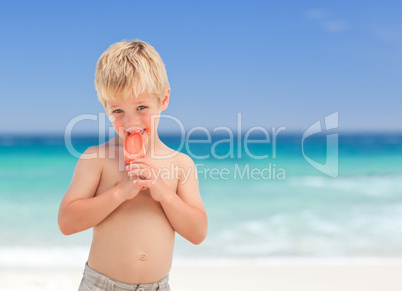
{"type": "Point", "coordinates": [141, 107]}
{"type": "Point", "coordinates": [117, 111]}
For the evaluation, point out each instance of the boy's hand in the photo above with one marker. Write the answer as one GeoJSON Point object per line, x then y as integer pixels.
{"type": "Point", "coordinates": [128, 189]}
{"type": "Point", "coordinates": [147, 175]}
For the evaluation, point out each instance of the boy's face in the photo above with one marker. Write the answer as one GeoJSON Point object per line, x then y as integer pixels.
{"type": "Point", "coordinates": [135, 113]}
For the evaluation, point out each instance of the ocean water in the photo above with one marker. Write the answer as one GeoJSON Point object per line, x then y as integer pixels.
{"type": "Point", "coordinates": [264, 200]}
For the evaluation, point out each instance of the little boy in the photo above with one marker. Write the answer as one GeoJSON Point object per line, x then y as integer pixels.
{"type": "Point", "coordinates": [136, 208]}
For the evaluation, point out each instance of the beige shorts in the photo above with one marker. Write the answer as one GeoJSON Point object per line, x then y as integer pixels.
{"type": "Point", "coordinates": [95, 281]}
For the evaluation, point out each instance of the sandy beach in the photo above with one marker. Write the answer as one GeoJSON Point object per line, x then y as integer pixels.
{"type": "Point", "coordinates": [285, 276]}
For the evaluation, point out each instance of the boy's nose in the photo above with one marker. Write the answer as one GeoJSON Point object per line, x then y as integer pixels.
{"type": "Point", "coordinates": [131, 120]}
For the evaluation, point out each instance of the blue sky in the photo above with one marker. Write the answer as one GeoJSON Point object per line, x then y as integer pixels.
{"type": "Point", "coordinates": [279, 63]}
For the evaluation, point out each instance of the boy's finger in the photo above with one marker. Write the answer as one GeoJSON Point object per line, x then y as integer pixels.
{"type": "Point", "coordinates": [141, 173]}
{"type": "Point", "coordinates": [132, 167]}
{"type": "Point", "coordinates": [143, 183]}
{"type": "Point", "coordinates": [132, 173]}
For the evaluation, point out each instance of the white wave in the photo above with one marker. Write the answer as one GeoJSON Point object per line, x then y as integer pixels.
{"type": "Point", "coordinates": [26, 257]}
{"type": "Point", "coordinates": [289, 261]}
{"type": "Point", "coordinates": [375, 186]}
{"type": "Point", "coordinates": [75, 258]}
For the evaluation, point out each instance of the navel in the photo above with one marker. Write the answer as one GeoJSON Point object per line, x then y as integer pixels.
{"type": "Point", "coordinates": [143, 256]}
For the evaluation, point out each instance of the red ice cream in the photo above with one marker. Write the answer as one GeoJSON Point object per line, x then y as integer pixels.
{"type": "Point", "coordinates": [133, 147]}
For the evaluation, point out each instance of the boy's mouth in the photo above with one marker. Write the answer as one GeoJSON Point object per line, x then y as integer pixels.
{"type": "Point", "coordinates": [130, 131]}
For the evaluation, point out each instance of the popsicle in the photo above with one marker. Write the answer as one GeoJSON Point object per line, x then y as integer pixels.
{"type": "Point", "coordinates": [133, 147]}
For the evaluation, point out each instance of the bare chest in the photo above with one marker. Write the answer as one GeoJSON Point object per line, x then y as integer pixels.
{"type": "Point", "coordinates": [114, 171]}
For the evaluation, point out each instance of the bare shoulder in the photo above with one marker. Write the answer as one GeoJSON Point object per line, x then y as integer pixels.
{"type": "Point", "coordinates": [90, 162]}
{"type": "Point", "coordinates": [185, 166]}
{"type": "Point", "coordinates": [187, 171]}
{"type": "Point", "coordinates": [99, 153]}
{"type": "Point", "coordinates": [93, 155]}
{"type": "Point", "coordinates": [184, 160]}
{"type": "Point", "coordinates": [88, 171]}
{"type": "Point", "coordinates": [92, 152]}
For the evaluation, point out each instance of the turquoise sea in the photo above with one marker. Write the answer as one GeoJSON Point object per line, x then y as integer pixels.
{"type": "Point", "coordinates": [276, 206]}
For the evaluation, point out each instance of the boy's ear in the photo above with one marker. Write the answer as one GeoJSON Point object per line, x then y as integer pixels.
{"type": "Point", "coordinates": [165, 100]}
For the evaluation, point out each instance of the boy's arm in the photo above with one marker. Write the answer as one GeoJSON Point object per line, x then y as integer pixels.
{"type": "Point", "coordinates": [80, 209]}
{"type": "Point", "coordinates": [184, 209]}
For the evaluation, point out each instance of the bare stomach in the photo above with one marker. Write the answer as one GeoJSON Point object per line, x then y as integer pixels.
{"type": "Point", "coordinates": [134, 244]}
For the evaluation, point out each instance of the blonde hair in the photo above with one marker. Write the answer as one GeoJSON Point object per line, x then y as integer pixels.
{"type": "Point", "coordinates": [130, 67]}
